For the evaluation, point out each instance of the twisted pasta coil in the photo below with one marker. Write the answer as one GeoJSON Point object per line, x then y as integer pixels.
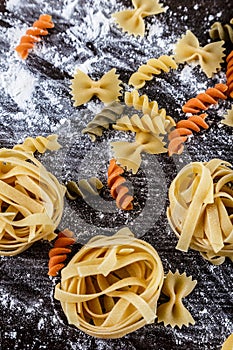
{"type": "Point", "coordinates": [210, 57]}
{"type": "Point", "coordinates": [58, 254]}
{"type": "Point", "coordinates": [229, 74]}
{"type": "Point", "coordinates": [221, 31]}
{"type": "Point", "coordinates": [176, 286]}
{"type": "Point", "coordinates": [103, 120]}
{"type": "Point", "coordinates": [131, 21]}
{"type": "Point", "coordinates": [83, 188]}
{"type": "Point", "coordinates": [204, 100]}
{"type": "Point", "coordinates": [31, 201]}
{"type": "Point", "coordinates": [118, 190]}
{"type": "Point", "coordinates": [142, 103]}
{"type": "Point", "coordinates": [185, 128]}
{"type": "Point", "coordinates": [200, 210]}
{"type": "Point", "coordinates": [111, 286]}
{"type": "Point", "coordinates": [154, 66]}
{"type": "Point", "coordinates": [33, 34]}
{"type": "Point", "coordinates": [40, 144]}
{"type": "Point", "coordinates": [83, 88]}
{"type": "Point", "coordinates": [228, 118]}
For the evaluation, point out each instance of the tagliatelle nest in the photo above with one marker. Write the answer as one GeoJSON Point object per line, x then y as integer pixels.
{"type": "Point", "coordinates": [111, 286]}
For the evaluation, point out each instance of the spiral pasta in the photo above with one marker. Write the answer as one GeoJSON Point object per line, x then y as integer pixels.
{"type": "Point", "coordinates": [111, 286]}
{"type": "Point", "coordinates": [176, 286]}
{"type": "Point", "coordinates": [58, 254]}
{"type": "Point", "coordinates": [33, 34]}
{"type": "Point", "coordinates": [103, 120]}
{"type": "Point", "coordinates": [204, 100]}
{"type": "Point", "coordinates": [185, 128]}
{"type": "Point", "coordinates": [200, 210]}
{"type": "Point", "coordinates": [131, 21]}
{"type": "Point", "coordinates": [118, 189]}
{"type": "Point", "coordinates": [221, 31]}
{"type": "Point", "coordinates": [228, 118]}
{"type": "Point", "coordinates": [154, 66]}
{"type": "Point", "coordinates": [210, 57]}
{"type": "Point", "coordinates": [83, 188]}
{"type": "Point", "coordinates": [83, 88]}
{"type": "Point", "coordinates": [229, 74]}
{"type": "Point", "coordinates": [31, 202]}
{"type": "Point", "coordinates": [40, 144]}
{"type": "Point", "coordinates": [142, 103]}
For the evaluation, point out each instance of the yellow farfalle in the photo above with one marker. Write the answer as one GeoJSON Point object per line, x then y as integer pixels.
{"type": "Point", "coordinates": [228, 118]}
{"type": "Point", "coordinates": [187, 49]}
{"type": "Point", "coordinates": [176, 286]}
{"type": "Point", "coordinates": [131, 21]}
{"type": "Point", "coordinates": [83, 88]}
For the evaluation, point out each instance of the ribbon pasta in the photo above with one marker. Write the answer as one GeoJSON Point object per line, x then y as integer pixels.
{"type": "Point", "coordinates": [200, 210]}
{"type": "Point", "coordinates": [111, 286]}
{"type": "Point", "coordinates": [187, 49]}
{"type": "Point", "coordinates": [131, 21]}
{"type": "Point", "coordinates": [31, 202]}
{"type": "Point", "coordinates": [83, 88]}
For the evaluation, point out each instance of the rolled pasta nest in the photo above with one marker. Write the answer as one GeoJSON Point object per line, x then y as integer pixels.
{"type": "Point", "coordinates": [201, 209]}
{"type": "Point", "coordinates": [111, 286]}
{"type": "Point", "coordinates": [31, 201]}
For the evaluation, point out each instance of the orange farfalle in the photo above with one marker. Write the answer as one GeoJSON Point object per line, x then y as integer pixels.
{"type": "Point", "coordinates": [58, 254]}
{"type": "Point", "coordinates": [117, 188]}
{"type": "Point", "coordinates": [184, 128]}
{"type": "Point", "coordinates": [33, 35]}
{"type": "Point", "coordinates": [229, 74]}
{"type": "Point", "coordinates": [204, 100]}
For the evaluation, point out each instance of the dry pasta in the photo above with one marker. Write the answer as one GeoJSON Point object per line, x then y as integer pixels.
{"type": "Point", "coordinates": [40, 144]}
{"type": "Point", "coordinates": [58, 254]}
{"type": "Point", "coordinates": [200, 210]}
{"type": "Point", "coordinates": [31, 202]}
{"type": "Point", "coordinates": [131, 21]}
{"type": "Point", "coordinates": [154, 66]}
{"type": "Point", "coordinates": [142, 103]}
{"type": "Point", "coordinates": [229, 74]}
{"type": "Point", "coordinates": [103, 120]}
{"type": "Point", "coordinates": [221, 31]}
{"type": "Point", "coordinates": [39, 28]}
{"type": "Point", "coordinates": [83, 188]}
{"type": "Point", "coordinates": [228, 344]}
{"type": "Point", "coordinates": [173, 312]}
{"type": "Point", "coordinates": [83, 88]}
{"type": "Point", "coordinates": [228, 118]}
{"type": "Point", "coordinates": [111, 286]}
{"type": "Point", "coordinates": [210, 57]}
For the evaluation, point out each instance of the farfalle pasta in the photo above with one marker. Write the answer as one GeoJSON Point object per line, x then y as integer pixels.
{"type": "Point", "coordinates": [131, 21]}
{"type": "Point", "coordinates": [103, 120]}
{"type": "Point", "coordinates": [147, 139]}
{"type": "Point", "coordinates": [83, 88]}
{"type": "Point", "coordinates": [210, 57]}
{"type": "Point", "coordinates": [40, 144]}
{"type": "Point", "coordinates": [111, 286]}
{"type": "Point", "coordinates": [154, 66]}
{"type": "Point", "coordinates": [31, 202]}
{"type": "Point", "coordinates": [228, 118]}
{"type": "Point", "coordinates": [173, 312]}
{"type": "Point", "coordinates": [200, 210]}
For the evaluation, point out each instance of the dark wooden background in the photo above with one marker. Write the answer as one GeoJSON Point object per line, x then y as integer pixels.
{"type": "Point", "coordinates": [30, 318]}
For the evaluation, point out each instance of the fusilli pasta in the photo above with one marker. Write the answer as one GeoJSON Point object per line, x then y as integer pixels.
{"type": "Point", "coordinates": [40, 144]}
{"type": "Point", "coordinates": [83, 188]}
{"type": "Point", "coordinates": [221, 31]}
{"type": "Point", "coordinates": [229, 74]}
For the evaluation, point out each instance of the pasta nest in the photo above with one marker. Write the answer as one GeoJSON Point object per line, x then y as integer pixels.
{"type": "Point", "coordinates": [31, 202]}
{"type": "Point", "coordinates": [111, 286]}
{"type": "Point", "coordinates": [201, 209]}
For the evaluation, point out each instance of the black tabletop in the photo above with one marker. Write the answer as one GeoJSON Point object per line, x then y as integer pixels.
{"type": "Point", "coordinates": [35, 100]}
